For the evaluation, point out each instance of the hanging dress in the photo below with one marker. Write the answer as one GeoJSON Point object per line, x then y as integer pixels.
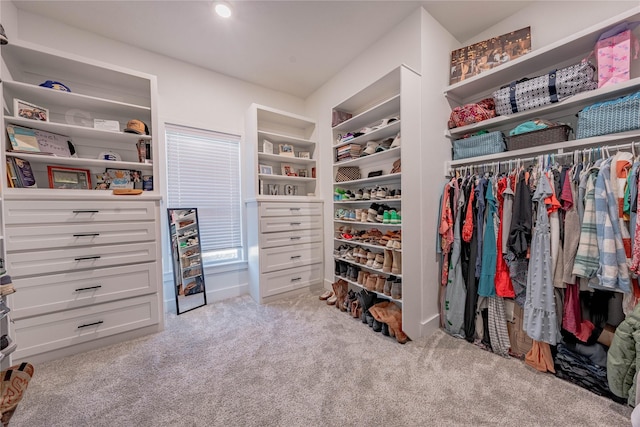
{"type": "Point", "coordinates": [540, 321]}
{"type": "Point", "coordinates": [455, 294]}
{"type": "Point", "coordinates": [486, 287]}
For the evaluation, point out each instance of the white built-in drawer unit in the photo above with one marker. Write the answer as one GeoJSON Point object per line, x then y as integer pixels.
{"type": "Point", "coordinates": [289, 252]}
{"type": "Point", "coordinates": [290, 279]}
{"type": "Point", "coordinates": [281, 258]}
{"type": "Point", "coordinates": [76, 211]}
{"type": "Point", "coordinates": [57, 292]}
{"type": "Point", "coordinates": [56, 330]}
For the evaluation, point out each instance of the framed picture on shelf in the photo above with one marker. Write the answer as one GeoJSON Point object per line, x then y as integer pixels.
{"type": "Point", "coordinates": [304, 155]}
{"type": "Point", "coordinates": [70, 178]}
{"type": "Point", "coordinates": [267, 146]}
{"type": "Point", "coordinates": [30, 111]}
{"type": "Point", "coordinates": [286, 150]}
{"type": "Point", "coordinates": [287, 170]}
{"type": "Point", "coordinates": [265, 170]}
{"type": "Point", "coordinates": [302, 173]}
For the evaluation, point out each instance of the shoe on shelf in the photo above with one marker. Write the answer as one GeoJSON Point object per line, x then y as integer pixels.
{"type": "Point", "coordinates": [387, 285]}
{"type": "Point", "coordinates": [378, 261]}
{"type": "Point", "coordinates": [388, 261]}
{"type": "Point", "coordinates": [396, 141]}
{"type": "Point", "coordinates": [396, 266]}
{"type": "Point", "coordinates": [326, 295]}
{"type": "Point", "coordinates": [394, 218]}
{"type": "Point", "coordinates": [397, 168]}
{"type": "Point", "coordinates": [396, 289]}
{"type": "Point", "coordinates": [370, 148]}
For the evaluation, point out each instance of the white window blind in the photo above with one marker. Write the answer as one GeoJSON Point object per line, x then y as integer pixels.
{"type": "Point", "coordinates": [204, 173]}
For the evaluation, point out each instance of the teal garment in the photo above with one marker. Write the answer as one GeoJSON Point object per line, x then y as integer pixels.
{"type": "Point", "coordinates": [487, 287]}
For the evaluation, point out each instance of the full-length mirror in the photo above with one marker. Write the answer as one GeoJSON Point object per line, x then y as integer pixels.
{"type": "Point", "coordinates": [188, 273]}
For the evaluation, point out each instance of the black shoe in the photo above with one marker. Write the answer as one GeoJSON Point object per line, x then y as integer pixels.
{"type": "Point", "coordinates": [4, 342]}
{"type": "Point", "coordinates": [377, 326]}
{"type": "Point", "coordinates": [369, 318]}
{"type": "Point", "coordinates": [343, 269]}
{"type": "Point", "coordinates": [385, 329]}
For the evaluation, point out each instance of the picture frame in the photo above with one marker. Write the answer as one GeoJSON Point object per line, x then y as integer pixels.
{"type": "Point", "coordinates": [302, 173]}
{"type": "Point", "coordinates": [27, 110]}
{"type": "Point", "coordinates": [122, 178]}
{"type": "Point", "coordinates": [265, 169]}
{"type": "Point", "coordinates": [474, 59]}
{"type": "Point", "coordinates": [304, 155]}
{"type": "Point", "coordinates": [69, 178]}
{"type": "Point", "coordinates": [286, 150]}
{"type": "Point", "coordinates": [287, 170]}
{"type": "Point", "coordinates": [267, 146]}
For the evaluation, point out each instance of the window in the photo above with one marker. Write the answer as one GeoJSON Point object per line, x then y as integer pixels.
{"type": "Point", "coordinates": [204, 173]}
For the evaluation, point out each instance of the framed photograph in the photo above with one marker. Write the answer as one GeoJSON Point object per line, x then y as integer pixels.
{"type": "Point", "coordinates": [30, 111]}
{"type": "Point", "coordinates": [286, 150]}
{"type": "Point", "coordinates": [479, 57]}
{"type": "Point", "coordinates": [304, 155]}
{"type": "Point", "coordinates": [272, 189]}
{"type": "Point", "coordinates": [71, 178]}
{"type": "Point", "coordinates": [287, 170]}
{"type": "Point", "coordinates": [302, 173]}
{"type": "Point", "coordinates": [267, 146]}
{"type": "Point", "coordinates": [265, 170]}
{"type": "Point", "coordinates": [122, 178]}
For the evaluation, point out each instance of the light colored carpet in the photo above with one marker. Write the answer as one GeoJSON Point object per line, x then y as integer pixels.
{"type": "Point", "coordinates": [299, 362]}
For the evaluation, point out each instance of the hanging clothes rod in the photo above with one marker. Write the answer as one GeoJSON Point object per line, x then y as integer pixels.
{"type": "Point", "coordinates": [578, 154]}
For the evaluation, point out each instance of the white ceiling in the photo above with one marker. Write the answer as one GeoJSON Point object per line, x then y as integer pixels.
{"type": "Point", "coordinates": [289, 46]}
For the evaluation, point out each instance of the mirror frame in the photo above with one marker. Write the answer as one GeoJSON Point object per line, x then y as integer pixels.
{"type": "Point", "coordinates": [174, 219]}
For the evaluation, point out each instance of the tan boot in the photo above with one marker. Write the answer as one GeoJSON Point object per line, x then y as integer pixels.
{"type": "Point", "coordinates": [396, 266]}
{"type": "Point", "coordinates": [380, 283]}
{"type": "Point", "coordinates": [371, 282]}
{"type": "Point", "coordinates": [340, 290]}
{"type": "Point", "coordinates": [388, 261]}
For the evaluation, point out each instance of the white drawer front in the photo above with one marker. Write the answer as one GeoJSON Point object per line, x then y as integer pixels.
{"type": "Point", "coordinates": [288, 280]}
{"type": "Point", "coordinates": [274, 259]}
{"type": "Point", "coordinates": [39, 334]}
{"type": "Point", "coordinates": [21, 238]}
{"type": "Point", "coordinates": [72, 211]}
{"type": "Point", "coordinates": [286, 238]}
{"type": "Point", "coordinates": [56, 292]}
{"type": "Point", "coordinates": [269, 225]}
{"type": "Point", "coordinates": [57, 260]}
{"type": "Point", "coordinates": [289, 209]}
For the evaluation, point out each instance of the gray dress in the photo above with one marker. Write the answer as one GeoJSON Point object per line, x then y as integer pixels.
{"type": "Point", "coordinates": [539, 309]}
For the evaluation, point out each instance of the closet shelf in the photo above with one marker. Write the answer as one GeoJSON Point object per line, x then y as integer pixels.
{"type": "Point", "coordinates": [280, 137]}
{"type": "Point", "coordinates": [284, 178]}
{"type": "Point", "coordinates": [366, 245]}
{"type": "Point", "coordinates": [80, 161]}
{"type": "Point", "coordinates": [382, 110]}
{"type": "Point", "coordinates": [569, 48]}
{"type": "Point", "coordinates": [393, 177]}
{"type": "Point", "coordinates": [558, 147]}
{"type": "Point", "coordinates": [364, 266]}
{"type": "Point", "coordinates": [366, 202]}
{"type": "Point", "coordinates": [283, 159]}
{"type": "Point", "coordinates": [564, 108]}
{"type": "Point", "coordinates": [388, 131]}
{"type": "Point", "coordinates": [372, 224]}
{"type": "Point", "coordinates": [371, 158]}
{"type": "Point", "coordinates": [380, 294]}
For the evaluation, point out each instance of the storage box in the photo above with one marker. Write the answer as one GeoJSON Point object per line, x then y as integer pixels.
{"type": "Point", "coordinates": [478, 145]}
{"type": "Point", "coordinates": [613, 116]}
{"type": "Point", "coordinates": [539, 137]}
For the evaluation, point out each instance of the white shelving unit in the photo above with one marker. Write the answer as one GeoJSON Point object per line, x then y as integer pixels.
{"type": "Point", "coordinates": [395, 95]}
{"type": "Point", "coordinates": [86, 264]}
{"type": "Point", "coordinates": [284, 214]}
{"type": "Point", "coordinates": [564, 52]}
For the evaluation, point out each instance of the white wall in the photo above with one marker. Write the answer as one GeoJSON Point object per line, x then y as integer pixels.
{"type": "Point", "coordinates": [187, 95]}
{"type": "Point", "coordinates": [552, 21]}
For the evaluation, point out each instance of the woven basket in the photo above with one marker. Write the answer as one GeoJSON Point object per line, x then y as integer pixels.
{"type": "Point", "coordinates": [539, 137]}
{"type": "Point", "coordinates": [613, 116]}
{"type": "Point", "coordinates": [478, 145]}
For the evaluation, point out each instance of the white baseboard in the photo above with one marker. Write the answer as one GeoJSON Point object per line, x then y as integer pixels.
{"type": "Point", "coordinates": [429, 326]}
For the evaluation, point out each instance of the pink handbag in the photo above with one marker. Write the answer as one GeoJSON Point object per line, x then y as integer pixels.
{"type": "Point", "coordinates": [613, 54]}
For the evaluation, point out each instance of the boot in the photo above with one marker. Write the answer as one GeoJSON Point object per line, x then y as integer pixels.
{"type": "Point", "coordinates": [396, 266]}
{"type": "Point", "coordinates": [387, 285]}
{"type": "Point", "coordinates": [380, 283]}
{"type": "Point", "coordinates": [388, 261]}
{"type": "Point", "coordinates": [371, 282]}
{"type": "Point", "coordinates": [360, 276]}
{"type": "Point", "coordinates": [340, 290]}
{"type": "Point", "coordinates": [396, 289]}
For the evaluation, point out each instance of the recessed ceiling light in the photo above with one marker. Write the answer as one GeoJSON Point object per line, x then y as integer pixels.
{"type": "Point", "coordinates": [222, 9]}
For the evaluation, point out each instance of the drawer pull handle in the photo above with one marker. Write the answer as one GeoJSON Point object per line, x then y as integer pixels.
{"type": "Point", "coordinates": [84, 258]}
{"type": "Point", "coordinates": [295, 279]}
{"type": "Point", "coordinates": [85, 211]}
{"type": "Point", "coordinates": [90, 324]}
{"type": "Point", "coordinates": [86, 235]}
{"type": "Point", "coordinates": [295, 238]}
{"type": "Point", "coordinates": [295, 223]}
{"type": "Point", "coordinates": [89, 288]}
{"type": "Point", "coordinates": [294, 209]}
{"type": "Point", "coordinates": [296, 256]}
